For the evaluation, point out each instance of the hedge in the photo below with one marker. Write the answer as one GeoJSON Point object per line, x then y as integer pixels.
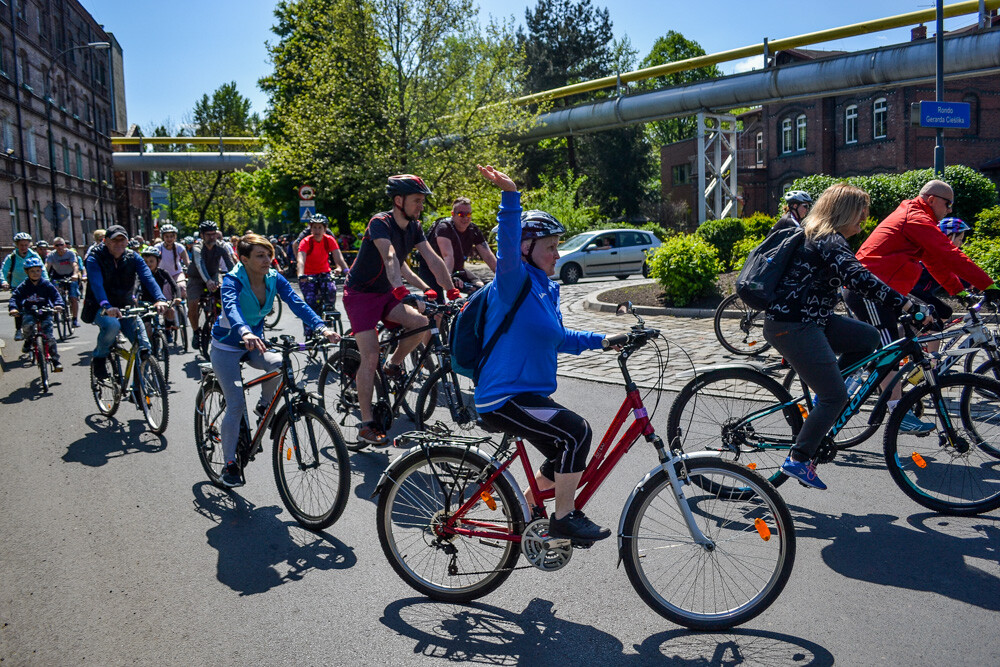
{"type": "Point", "coordinates": [987, 224]}
{"type": "Point", "coordinates": [686, 266]}
{"type": "Point", "coordinates": [723, 234]}
{"type": "Point", "coordinates": [986, 253]}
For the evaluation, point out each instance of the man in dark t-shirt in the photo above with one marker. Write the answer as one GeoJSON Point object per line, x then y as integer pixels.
{"type": "Point", "coordinates": [454, 239]}
{"type": "Point", "coordinates": [374, 289]}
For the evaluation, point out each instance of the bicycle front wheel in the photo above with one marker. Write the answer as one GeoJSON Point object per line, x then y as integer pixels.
{"type": "Point", "coordinates": [711, 411]}
{"type": "Point", "coordinates": [314, 478]}
{"type": "Point", "coordinates": [161, 352]}
{"type": "Point", "coordinates": [443, 391]}
{"type": "Point", "coordinates": [960, 477]}
{"type": "Point", "coordinates": [43, 365]}
{"type": "Point", "coordinates": [717, 586]}
{"type": "Point", "coordinates": [271, 319]}
{"type": "Point", "coordinates": [153, 394]}
{"type": "Point", "coordinates": [739, 327]}
{"type": "Point", "coordinates": [107, 392]}
{"type": "Point", "coordinates": [210, 408]}
{"type": "Point", "coordinates": [424, 490]}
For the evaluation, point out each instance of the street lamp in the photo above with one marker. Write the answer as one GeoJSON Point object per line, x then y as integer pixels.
{"type": "Point", "coordinates": [97, 46]}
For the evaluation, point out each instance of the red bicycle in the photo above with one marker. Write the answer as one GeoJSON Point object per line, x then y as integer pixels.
{"type": "Point", "coordinates": [706, 543]}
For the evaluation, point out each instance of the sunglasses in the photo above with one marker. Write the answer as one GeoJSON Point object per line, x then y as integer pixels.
{"type": "Point", "coordinates": [60, 245]}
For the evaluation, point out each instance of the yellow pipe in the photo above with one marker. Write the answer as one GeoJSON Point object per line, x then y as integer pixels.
{"type": "Point", "coordinates": [877, 25]}
{"type": "Point", "coordinates": [210, 141]}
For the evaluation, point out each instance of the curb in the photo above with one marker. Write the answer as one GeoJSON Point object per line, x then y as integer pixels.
{"type": "Point", "coordinates": [591, 302]}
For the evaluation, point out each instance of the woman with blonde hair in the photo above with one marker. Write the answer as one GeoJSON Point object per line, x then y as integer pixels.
{"type": "Point", "coordinates": [801, 325]}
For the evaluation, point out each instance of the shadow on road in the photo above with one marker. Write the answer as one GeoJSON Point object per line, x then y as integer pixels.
{"type": "Point", "coordinates": [368, 465]}
{"type": "Point", "coordinates": [932, 554]}
{"type": "Point", "coordinates": [485, 634]}
{"type": "Point", "coordinates": [111, 439]}
{"type": "Point", "coordinates": [257, 550]}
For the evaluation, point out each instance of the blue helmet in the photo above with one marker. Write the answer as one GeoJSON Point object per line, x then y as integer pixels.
{"type": "Point", "coordinates": [953, 226]}
{"type": "Point", "coordinates": [32, 261]}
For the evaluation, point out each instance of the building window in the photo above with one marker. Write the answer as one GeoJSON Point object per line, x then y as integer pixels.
{"type": "Point", "coordinates": [79, 162]}
{"type": "Point", "coordinates": [65, 151]}
{"type": "Point", "coordinates": [800, 133]}
{"type": "Point", "coordinates": [760, 148]}
{"type": "Point", "coordinates": [15, 224]}
{"type": "Point", "coordinates": [23, 70]}
{"type": "Point", "coordinates": [851, 124]}
{"type": "Point", "coordinates": [681, 173]}
{"type": "Point", "coordinates": [36, 219]}
{"type": "Point", "coordinates": [7, 133]}
{"type": "Point", "coordinates": [786, 135]}
{"type": "Point", "coordinates": [3, 59]}
{"type": "Point", "coordinates": [880, 115]}
{"type": "Point", "coordinates": [29, 145]}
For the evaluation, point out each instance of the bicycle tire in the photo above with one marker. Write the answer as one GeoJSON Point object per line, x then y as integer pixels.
{"type": "Point", "coordinates": [205, 340]}
{"type": "Point", "coordinates": [161, 351]}
{"type": "Point", "coordinates": [711, 593]}
{"type": "Point", "coordinates": [67, 325]}
{"type": "Point", "coordinates": [412, 503]}
{"type": "Point", "coordinates": [705, 413]}
{"type": "Point", "coordinates": [340, 395]}
{"type": "Point", "coordinates": [857, 429]}
{"type": "Point", "coordinates": [739, 328]}
{"type": "Point", "coordinates": [42, 359]}
{"type": "Point", "coordinates": [107, 393]}
{"type": "Point", "coordinates": [272, 318]}
{"type": "Point", "coordinates": [152, 394]}
{"type": "Point", "coordinates": [434, 394]}
{"type": "Point", "coordinates": [936, 474]}
{"type": "Point", "coordinates": [210, 408]}
{"type": "Point", "coordinates": [314, 495]}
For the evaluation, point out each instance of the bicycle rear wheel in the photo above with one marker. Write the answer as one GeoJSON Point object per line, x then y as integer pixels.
{"type": "Point", "coordinates": [423, 491]}
{"type": "Point", "coordinates": [210, 408]}
{"type": "Point", "coordinates": [710, 412]}
{"type": "Point", "coordinates": [42, 359]}
{"type": "Point", "coordinates": [739, 327]}
{"type": "Point", "coordinates": [272, 318]}
{"type": "Point", "coordinates": [314, 481]}
{"type": "Point", "coordinates": [161, 352]}
{"type": "Point", "coordinates": [153, 394]}
{"type": "Point", "coordinates": [340, 395]}
{"type": "Point", "coordinates": [709, 588]}
{"type": "Point", "coordinates": [107, 392]}
{"type": "Point", "coordinates": [961, 477]}
{"type": "Point", "coordinates": [856, 430]}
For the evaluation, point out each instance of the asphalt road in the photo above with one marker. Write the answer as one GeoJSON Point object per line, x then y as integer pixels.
{"type": "Point", "coordinates": [115, 550]}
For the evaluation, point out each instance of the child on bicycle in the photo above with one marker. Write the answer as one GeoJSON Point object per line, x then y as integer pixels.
{"type": "Point", "coordinates": [34, 293]}
{"type": "Point", "coordinates": [517, 379]}
{"type": "Point", "coordinates": [168, 286]}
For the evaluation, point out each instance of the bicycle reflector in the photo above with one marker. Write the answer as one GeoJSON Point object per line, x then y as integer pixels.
{"type": "Point", "coordinates": [289, 455]}
{"type": "Point", "coordinates": [919, 460]}
{"type": "Point", "coordinates": [762, 529]}
{"type": "Point", "coordinates": [488, 499]}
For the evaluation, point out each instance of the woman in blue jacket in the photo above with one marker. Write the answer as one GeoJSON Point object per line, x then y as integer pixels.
{"type": "Point", "coordinates": [247, 294]}
{"type": "Point", "coordinates": [520, 374]}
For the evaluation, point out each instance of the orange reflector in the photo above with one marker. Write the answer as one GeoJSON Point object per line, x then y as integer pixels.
{"type": "Point", "coordinates": [919, 460]}
{"type": "Point", "coordinates": [752, 466]}
{"type": "Point", "coordinates": [289, 455]}
{"type": "Point", "coordinates": [762, 529]}
{"type": "Point", "coordinates": [752, 344]}
{"type": "Point", "coordinates": [803, 411]}
{"type": "Point", "coordinates": [488, 499]}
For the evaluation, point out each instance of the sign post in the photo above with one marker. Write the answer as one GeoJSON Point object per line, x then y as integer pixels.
{"type": "Point", "coordinates": [307, 202]}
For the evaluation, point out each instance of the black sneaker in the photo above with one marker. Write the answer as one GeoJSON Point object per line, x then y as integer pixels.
{"type": "Point", "coordinates": [196, 339]}
{"type": "Point", "coordinates": [26, 348]}
{"type": "Point", "coordinates": [576, 526]}
{"type": "Point", "coordinates": [57, 366]}
{"type": "Point", "coordinates": [100, 365]}
{"type": "Point", "coordinates": [231, 475]}
{"type": "Point", "coordinates": [260, 410]}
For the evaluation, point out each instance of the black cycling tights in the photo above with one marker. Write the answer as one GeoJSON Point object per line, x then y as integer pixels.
{"type": "Point", "coordinates": [560, 434]}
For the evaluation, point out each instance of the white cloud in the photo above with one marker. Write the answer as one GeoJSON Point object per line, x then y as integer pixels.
{"type": "Point", "coordinates": [745, 65]}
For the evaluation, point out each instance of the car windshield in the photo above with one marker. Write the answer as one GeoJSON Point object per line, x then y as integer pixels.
{"type": "Point", "coordinates": [576, 242]}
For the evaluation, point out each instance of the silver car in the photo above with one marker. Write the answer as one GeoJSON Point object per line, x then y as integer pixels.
{"type": "Point", "coordinates": [613, 252]}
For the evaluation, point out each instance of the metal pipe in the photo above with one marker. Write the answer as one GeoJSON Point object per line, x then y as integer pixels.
{"type": "Point", "coordinates": [976, 54]}
{"type": "Point", "coordinates": [186, 161]}
{"type": "Point", "coordinates": [199, 141]}
{"type": "Point", "coordinates": [939, 87]}
{"type": "Point", "coordinates": [866, 27]}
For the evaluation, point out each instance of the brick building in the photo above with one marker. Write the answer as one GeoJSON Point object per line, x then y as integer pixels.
{"type": "Point", "coordinates": [846, 135]}
{"type": "Point", "coordinates": [50, 78]}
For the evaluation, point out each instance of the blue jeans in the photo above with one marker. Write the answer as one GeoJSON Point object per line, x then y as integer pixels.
{"type": "Point", "coordinates": [110, 326]}
{"type": "Point", "coordinates": [28, 323]}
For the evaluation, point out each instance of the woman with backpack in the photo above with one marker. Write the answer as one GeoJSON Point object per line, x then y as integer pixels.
{"type": "Point", "coordinates": [801, 325]}
{"type": "Point", "coordinates": [519, 375]}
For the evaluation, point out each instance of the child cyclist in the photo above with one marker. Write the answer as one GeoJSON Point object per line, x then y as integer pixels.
{"type": "Point", "coordinates": [34, 293]}
{"type": "Point", "coordinates": [171, 290]}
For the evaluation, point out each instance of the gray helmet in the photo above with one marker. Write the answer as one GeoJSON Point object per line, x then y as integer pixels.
{"type": "Point", "coordinates": [168, 229]}
{"type": "Point", "coordinates": [22, 236]}
{"type": "Point", "coordinates": [320, 219]}
{"type": "Point", "coordinates": [798, 197]}
{"type": "Point", "coordinates": [539, 224]}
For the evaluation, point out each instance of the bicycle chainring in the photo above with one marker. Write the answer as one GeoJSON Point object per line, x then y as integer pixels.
{"type": "Point", "coordinates": [539, 550]}
{"type": "Point", "coordinates": [827, 451]}
{"type": "Point", "coordinates": [382, 415]}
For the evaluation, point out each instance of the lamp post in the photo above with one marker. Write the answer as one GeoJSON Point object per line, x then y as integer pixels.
{"type": "Point", "coordinates": [97, 46]}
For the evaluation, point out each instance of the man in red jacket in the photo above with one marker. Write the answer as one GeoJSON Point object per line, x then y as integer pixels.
{"type": "Point", "coordinates": [898, 249]}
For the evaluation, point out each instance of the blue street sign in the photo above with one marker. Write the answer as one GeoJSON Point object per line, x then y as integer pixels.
{"type": "Point", "coordinates": [306, 210]}
{"type": "Point", "coordinates": [956, 115]}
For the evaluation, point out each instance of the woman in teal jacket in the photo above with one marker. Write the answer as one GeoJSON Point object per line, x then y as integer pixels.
{"type": "Point", "coordinates": [247, 294]}
{"type": "Point", "coordinates": [520, 374]}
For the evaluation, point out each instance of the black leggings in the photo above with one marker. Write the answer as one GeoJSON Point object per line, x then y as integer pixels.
{"type": "Point", "coordinates": [558, 433]}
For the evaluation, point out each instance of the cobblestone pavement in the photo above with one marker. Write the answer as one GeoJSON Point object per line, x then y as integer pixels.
{"type": "Point", "coordinates": [690, 342]}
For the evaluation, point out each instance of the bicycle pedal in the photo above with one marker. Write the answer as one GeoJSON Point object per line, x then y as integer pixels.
{"type": "Point", "coordinates": [583, 544]}
{"type": "Point", "coordinates": [558, 543]}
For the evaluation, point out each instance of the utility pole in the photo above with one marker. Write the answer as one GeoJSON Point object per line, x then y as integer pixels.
{"type": "Point", "coordinates": [939, 88]}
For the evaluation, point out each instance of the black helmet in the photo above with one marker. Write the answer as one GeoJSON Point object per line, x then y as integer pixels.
{"type": "Point", "coordinates": [208, 226]}
{"type": "Point", "coordinates": [539, 224]}
{"type": "Point", "coordinates": [320, 219]}
{"type": "Point", "coordinates": [406, 184]}
{"type": "Point", "coordinates": [798, 197]}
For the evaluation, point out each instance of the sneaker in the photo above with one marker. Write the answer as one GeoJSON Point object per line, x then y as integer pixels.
{"type": "Point", "coordinates": [76, 324]}
{"type": "Point", "coordinates": [18, 335]}
{"type": "Point", "coordinates": [576, 526]}
{"type": "Point", "coordinates": [100, 365]}
{"type": "Point", "coordinates": [372, 434]}
{"type": "Point", "coordinates": [56, 366]}
{"type": "Point", "coordinates": [911, 424]}
{"type": "Point", "coordinates": [260, 410]}
{"type": "Point", "coordinates": [804, 471]}
{"type": "Point", "coordinates": [196, 339]}
{"type": "Point", "coordinates": [26, 348]}
{"type": "Point", "coordinates": [231, 475]}
{"type": "Point", "coordinates": [393, 372]}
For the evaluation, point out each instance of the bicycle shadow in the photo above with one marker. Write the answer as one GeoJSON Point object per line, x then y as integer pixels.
{"type": "Point", "coordinates": [30, 392]}
{"type": "Point", "coordinates": [191, 367]}
{"type": "Point", "coordinates": [486, 634]}
{"type": "Point", "coordinates": [854, 458]}
{"type": "Point", "coordinates": [257, 550]}
{"type": "Point", "coordinates": [875, 548]}
{"type": "Point", "coordinates": [369, 466]}
{"type": "Point", "coordinates": [111, 439]}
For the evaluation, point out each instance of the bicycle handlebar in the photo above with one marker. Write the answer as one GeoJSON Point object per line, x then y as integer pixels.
{"type": "Point", "coordinates": [632, 340]}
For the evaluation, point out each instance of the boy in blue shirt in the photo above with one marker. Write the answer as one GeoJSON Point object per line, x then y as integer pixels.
{"type": "Point", "coordinates": [34, 293]}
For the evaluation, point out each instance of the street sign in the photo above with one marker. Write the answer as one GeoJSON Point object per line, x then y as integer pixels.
{"type": "Point", "coordinates": [59, 214]}
{"type": "Point", "coordinates": [307, 192]}
{"type": "Point", "coordinates": [948, 115]}
{"type": "Point", "coordinates": [307, 209]}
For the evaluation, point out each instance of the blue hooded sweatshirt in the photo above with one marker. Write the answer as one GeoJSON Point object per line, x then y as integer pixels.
{"type": "Point", "coordinates": [524, 359]}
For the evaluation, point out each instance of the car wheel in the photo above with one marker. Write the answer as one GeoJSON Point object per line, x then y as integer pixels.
{"type": "Point", "coordinates": [645, 269]}
{"type": "Point", "coordinates": [622, 276]}
{"type": "Point", "coordinates": [570, 274]}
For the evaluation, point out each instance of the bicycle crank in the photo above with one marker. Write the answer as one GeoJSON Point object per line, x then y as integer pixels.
{"type": "Point", "coordinates": [543, 552]}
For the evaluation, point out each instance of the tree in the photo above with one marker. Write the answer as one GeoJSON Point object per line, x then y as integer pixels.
{"type": "Point", "coordinates": [667, 49]}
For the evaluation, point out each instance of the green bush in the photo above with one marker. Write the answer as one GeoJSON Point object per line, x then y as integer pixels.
{"type": "Point", "coordinates": [743, 248]}
{"type": "Point", "coordinates": [987, 225]}
{"type": "Point", "coordinates": [723, 235]}
{"type": "Point", "coordinates": [560, 197]}
{"type": "Point", "coordinates": [985, 253]}
{"type": "Point", "coordinates": [686, 266]}
{"type": "Point", "coordinates": [758, 224]}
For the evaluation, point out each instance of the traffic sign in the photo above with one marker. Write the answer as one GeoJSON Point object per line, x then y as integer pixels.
{"type": "Point", "coordinates": [307, 209]}
{"type": "Point", "coordinates": [948, 115]}
{"type": "Point", "coordinates": [307, 192]}
{"type": "Point", "coordinates": [56, 214]}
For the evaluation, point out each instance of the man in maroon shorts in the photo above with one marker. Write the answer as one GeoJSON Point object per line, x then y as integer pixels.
{"type": "Point", "coordinates": [374, 289]}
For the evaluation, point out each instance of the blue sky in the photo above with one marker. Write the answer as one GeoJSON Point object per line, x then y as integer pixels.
{"type": "Point", "coordinates": [177, 51]}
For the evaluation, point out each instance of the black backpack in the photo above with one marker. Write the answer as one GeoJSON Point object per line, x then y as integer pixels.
{"type": "Point", "coordinates": [766, 265]}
